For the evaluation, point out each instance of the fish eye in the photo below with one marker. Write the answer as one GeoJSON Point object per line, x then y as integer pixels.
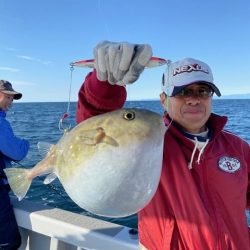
{"type": "Point", "coordinates": [129, 115]}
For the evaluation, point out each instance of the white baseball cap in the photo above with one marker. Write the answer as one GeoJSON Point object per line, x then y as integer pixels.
{"type": "Point", "coordinates": [187, 71]}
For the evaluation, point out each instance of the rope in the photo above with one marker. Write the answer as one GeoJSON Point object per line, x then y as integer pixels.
{"type": "Point", "coordinates": [66, 114]}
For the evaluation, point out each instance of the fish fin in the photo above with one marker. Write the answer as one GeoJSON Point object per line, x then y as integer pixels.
{"type": "Point", "coordinates": [60, 151]}
{"type": "Point", "coordinates": [109, 140]}
{"type": "Point", "coordinates": [88, 137]}
{"type": "Point", "coordinates": [44, 148]}
{"type": "Point", "coordinates": [96, 136]}
{"type": "Point", "coordinates": [18, 181]}
{"type": "Point", "coordinates": [51, 177]}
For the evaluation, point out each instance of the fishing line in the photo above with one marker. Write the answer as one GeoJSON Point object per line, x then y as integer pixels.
{"type": "Point", "coordinates": [66, 114]}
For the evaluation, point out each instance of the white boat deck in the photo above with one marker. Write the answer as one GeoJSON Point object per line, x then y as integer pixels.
{"type": "Point", "coordinates": [47, 228]}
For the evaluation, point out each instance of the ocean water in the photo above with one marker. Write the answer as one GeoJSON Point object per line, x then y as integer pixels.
{"type": "Point", "coordinates": [39, 122]}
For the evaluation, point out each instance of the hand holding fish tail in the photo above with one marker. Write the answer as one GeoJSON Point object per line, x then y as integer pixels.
{"type": "Point", "coordinates": [121, 63]}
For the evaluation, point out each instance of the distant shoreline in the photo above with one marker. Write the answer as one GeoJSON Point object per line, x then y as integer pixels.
{"type": "Point", "coordinates": [223, 97]}
{"type": "Point", "coordinates": [142, 100]}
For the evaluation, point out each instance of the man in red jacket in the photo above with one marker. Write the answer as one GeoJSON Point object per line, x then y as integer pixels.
{"type": "Point", "coordinates": [203, 191]}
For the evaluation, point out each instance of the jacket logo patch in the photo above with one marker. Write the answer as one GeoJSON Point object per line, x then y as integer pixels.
{"type": "Point", "coordinates": [229, 164]}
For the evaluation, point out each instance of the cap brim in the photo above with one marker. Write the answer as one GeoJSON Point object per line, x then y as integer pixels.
{"type": "Point", "coordinates": [16, 95]}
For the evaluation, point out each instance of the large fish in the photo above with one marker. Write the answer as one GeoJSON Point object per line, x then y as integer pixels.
{"type": "Point", "coordinates": [109, 164]}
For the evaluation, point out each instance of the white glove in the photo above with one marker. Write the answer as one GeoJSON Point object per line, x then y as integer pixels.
{"type": "Point", "coordinates": [121, 63]}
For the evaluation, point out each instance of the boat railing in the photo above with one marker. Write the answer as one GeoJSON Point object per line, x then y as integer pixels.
{"type": "Point", "coordinates": [46, 228]}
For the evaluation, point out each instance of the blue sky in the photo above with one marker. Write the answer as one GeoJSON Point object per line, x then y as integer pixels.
{"type": "Point", "coordinates": [39, 39]}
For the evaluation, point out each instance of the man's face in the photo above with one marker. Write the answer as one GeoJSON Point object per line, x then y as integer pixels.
{"type": "Point", "coordinates": [192, 107]}
{"type": "Point", "coordinates": [5, 101]}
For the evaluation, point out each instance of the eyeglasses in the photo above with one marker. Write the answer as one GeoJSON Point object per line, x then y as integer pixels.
{"type": "Point", "coordinates": [202, 92]}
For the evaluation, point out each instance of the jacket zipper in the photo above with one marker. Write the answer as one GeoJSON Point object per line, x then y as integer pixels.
{"type": "Point", "coordinates": [218, 232]}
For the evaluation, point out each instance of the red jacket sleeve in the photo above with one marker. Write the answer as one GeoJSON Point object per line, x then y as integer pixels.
{"type": "Point", "coordinates": [97, 97]}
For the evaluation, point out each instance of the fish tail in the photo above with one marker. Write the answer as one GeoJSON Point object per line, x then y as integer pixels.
{"type": "Point", "coordinates": [18, 181]}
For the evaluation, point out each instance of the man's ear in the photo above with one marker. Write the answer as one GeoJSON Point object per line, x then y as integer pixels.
{"type": "Point", "coordinates": [163, 99]}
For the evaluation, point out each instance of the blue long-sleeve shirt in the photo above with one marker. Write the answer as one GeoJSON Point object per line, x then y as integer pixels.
{"type": "Point", "coordinates": [11, 146]}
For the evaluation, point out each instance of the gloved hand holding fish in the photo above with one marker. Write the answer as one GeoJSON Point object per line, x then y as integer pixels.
{"type": "Point", "coordinates": [121, 63]}
{"type": "Point", "coordinates": [109, 164]}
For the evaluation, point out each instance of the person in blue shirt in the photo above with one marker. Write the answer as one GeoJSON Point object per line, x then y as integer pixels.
{"type": "Point", "coordinates": [12, 148]}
